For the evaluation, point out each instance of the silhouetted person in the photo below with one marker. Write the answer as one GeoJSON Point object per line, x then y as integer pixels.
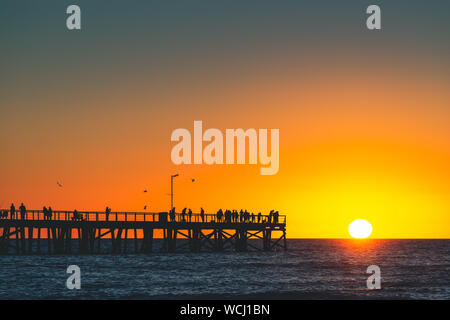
{"type": "Point", "coordinates": [275, 217]}
{"type": "Point", "coordinates": [241, 215]}
{"type": "Point", "coordinates": [259, 217]}
{"type": "Point", "coordinates": [253, 217]}
{"type": "Point", "coordinates": [246, 216]}
{"type": "Point", "coordinates": [172, 214]}
{"type": "Point", "coordinates": [270, 216]}
{"type": "Point", "coordinates": [45, 211]}
{"type": "Point", "coordinates": [190, 215]}
{"type": "Point", "coordinates": [75, 216]}
{"type": "Point", "coordinates": [227, 215]}
{"type": "Point", "coordinates": [23, 211]}
{"type": "Point", "coordinates": [13, 211]}
{"type": "Point", "coordinates": [183, 215]}
{"type": "Point", "coordinates": [107, 212]}
{"type": "Point", "coordinates": [50, 213]}
{"type": "Point", "coordinates": [202, 214]}
{"type": "Point", "coordinates": [219, 215]}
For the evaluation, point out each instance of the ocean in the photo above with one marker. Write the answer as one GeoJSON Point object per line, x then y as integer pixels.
{"type": "Point", "coordinates": [310, 269]}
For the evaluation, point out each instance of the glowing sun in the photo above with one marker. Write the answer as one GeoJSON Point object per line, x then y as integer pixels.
{"type": "Point", "coordinates": [360, 229]}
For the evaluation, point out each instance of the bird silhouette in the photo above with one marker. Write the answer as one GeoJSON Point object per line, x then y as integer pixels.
{"type": "Point", "coordinates": [193, 180]}
{"type": "Point", "coordinates": [59, 184]}
{"type": "Point", "coordinates": [145, 191]}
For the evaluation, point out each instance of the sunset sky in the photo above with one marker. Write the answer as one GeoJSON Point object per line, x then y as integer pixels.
{"type": "Point", "coordinates": [364, 116]}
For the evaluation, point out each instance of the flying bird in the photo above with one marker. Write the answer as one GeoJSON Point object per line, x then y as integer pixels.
{"type": "Point", "coordinates": [145, 191]}
{"type": "Point", "coordinates": [193, 180]}
{"type": "Point", "coordinates": [59, 184]}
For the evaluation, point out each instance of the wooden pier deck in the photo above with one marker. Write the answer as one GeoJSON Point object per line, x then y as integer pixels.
{"type": "Point", "coordinates": [25, 234]}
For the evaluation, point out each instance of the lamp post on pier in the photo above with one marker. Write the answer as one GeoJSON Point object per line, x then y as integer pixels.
{"type": "Point", "coordinates": [171, 189]}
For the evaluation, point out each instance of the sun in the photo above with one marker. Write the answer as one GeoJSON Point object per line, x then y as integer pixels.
{"type": "Point", "coordinates": [360, 229]}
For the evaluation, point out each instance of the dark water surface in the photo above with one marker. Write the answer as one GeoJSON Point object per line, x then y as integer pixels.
{"type": "Point", "coordinates": [310, 269]}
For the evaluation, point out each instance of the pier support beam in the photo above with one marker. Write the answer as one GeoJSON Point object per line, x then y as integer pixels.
{"type": "Point", "coordinates": [38, 240]}
{"type": "Point", "coordinates": [147, 240]}
{"type": "Point", "coordinates": [267, 236]}
{"type": "Point", "coordinates": [4, 241]}
{"type": "Point", "coordinates": [218, 240]}
{"type": "Point", "coordinates": [22, 240]}
{"type": "Point", "coordinates": [30, 240]}
{"type": "Point", "coordinates": [195, 240]}
{"type": "Point", "coordinates": [171, 239]}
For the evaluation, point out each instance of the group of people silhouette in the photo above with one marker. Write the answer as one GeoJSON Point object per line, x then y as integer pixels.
{"type": "Point", "coordinates": [48, 213]}
{"type": "Point", "coordinates": [185, 212]}
{"type": "Point", "coordinates": [227, 216]}
{"type": "Point", "coordinates": [76, 216]}
{"type": "Point", "coordinates": [12, 211]}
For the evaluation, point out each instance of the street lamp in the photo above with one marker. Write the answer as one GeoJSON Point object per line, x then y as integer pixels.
{"type": "Point", "coordinates": [171, 189]}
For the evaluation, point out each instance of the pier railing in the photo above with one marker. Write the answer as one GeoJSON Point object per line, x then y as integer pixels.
{"type": "Point", "coordinates": [135, 217]}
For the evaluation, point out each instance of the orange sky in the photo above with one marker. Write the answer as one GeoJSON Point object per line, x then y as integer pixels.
{"type": "Point", "coordinates": [363, 119]}
{"type": "Point", "coordinates": [347, 154]}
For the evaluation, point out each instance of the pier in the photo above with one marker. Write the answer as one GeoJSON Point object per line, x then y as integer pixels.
{"type": "Point", "coordinates": [136, 232]}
